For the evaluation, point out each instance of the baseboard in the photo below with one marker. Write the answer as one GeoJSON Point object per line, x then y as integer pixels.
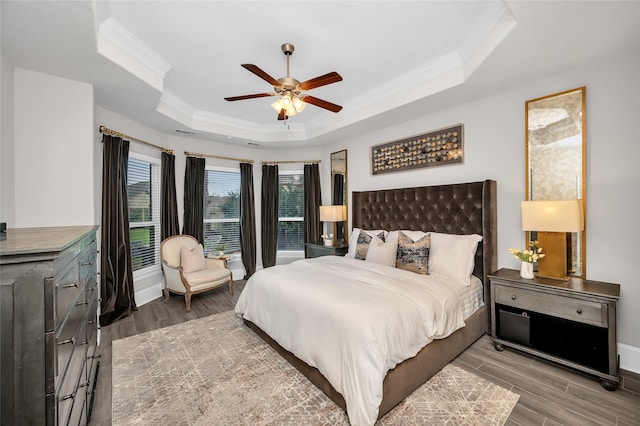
{"type": "Point", "coordinates": [148, 294]}
{"type": "Point", "coordinates": [629, 358]}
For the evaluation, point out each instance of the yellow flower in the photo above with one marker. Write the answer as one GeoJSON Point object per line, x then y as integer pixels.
{"type": "Point", "coordinates": [526, 255]}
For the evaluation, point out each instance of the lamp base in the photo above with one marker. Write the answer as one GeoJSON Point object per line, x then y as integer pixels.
{"type": "Point", "coordinates": [554, 263]}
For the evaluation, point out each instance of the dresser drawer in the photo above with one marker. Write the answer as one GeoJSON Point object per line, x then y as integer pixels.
{"type": "Point", "coordinates": [71, 333]}
{"type": "Point", "coordinates": [71, 384]}
{"type": "Point", "coordinates": [569, 308]}
{"type": "Point", "coordinates": [67, 291]}
{"type": "Point", "coordinates": [87, 263]}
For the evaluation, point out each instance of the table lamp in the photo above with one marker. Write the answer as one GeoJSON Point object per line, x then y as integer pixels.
{"type": "Point", "coordinates": [552, 219]}
{"type": "Point", "coordinates": [332, 214]}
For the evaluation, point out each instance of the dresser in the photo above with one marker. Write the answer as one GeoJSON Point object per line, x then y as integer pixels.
{"type": "Point", "coordinates": [569, 322]}
{"type": "Point", "coordinates": [317, 250]}
{"type": "Point", "coordinates": [48, 325]}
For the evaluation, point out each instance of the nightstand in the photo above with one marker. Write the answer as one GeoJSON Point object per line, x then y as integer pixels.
{"type": "Point", "coordinates": [317, 250]}
{"type": "Point", "coordinates": [569, 322]}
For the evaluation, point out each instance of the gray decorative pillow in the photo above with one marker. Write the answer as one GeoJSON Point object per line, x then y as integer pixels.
{"type": "Point", "coordinates": [362, 246]}
{"type": "Point", "coordinates": [413, 255]}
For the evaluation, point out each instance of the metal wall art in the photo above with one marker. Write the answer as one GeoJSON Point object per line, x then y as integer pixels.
{"type": "Point", "coordinates": [435, 148]}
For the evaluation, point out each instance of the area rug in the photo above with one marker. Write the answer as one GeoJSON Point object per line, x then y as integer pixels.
{"type": "Point", "coordinates": [216, 371]}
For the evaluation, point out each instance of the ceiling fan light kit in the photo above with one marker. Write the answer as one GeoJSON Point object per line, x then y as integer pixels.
{"type": "Point", "coordinates": [292, 97]}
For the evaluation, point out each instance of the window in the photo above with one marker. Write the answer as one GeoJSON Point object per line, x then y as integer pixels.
{"type": "Point", "coordinates": [143, 187]}
{"type": "Point", "coordinates": [221, 209]}
{"type": "Point", "coordinates": [291, 211]}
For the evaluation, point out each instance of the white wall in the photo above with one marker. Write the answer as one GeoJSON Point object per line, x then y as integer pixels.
{"type": "Point", "coordinates": [53, 151]}
{"type": "Point", "coordinates": [494, 149]}
{"type": "Point", "coordinates": [7, 181]}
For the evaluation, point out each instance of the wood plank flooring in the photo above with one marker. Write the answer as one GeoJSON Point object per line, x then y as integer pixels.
{"type": "Point", "coordinates": [549, 395]}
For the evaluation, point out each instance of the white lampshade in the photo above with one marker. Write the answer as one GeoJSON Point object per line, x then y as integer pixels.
{"type": "Point", "coordinates": [332, 213]}
{"type": "Point", "coordinates": [298, 104]}
{"type": "Point", "coordinates": [552, 215]}
{"type": "Point", "coordinates": [290, 104]}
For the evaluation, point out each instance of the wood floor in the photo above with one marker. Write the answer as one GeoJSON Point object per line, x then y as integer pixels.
{"type": "Point", "coordinates": [549, 395]}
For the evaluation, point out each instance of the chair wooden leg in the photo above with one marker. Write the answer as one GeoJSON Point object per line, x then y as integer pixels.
{"type": "Point", "coordinates": [187, 299]}
{"type": "Point", "coordinates": [166, 295]}
{"type": "Point", "coordinates": [231, 287]}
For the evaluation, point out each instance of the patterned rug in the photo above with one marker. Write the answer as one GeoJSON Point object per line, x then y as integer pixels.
{"type": "Point", "coordinates": [215, 370]}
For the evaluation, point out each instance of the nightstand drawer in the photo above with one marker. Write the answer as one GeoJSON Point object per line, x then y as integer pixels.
{"type": "Point", "coordinates": [317, 250]}
{"type": "Point", "coordinates": [569, 308]}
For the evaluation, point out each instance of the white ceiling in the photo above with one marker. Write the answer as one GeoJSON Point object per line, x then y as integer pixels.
{"type": "Point", "coordinates": [169, 64]}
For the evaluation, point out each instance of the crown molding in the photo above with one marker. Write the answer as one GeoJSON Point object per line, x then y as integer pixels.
{"type": "Point", "coordinates": [124, 49]}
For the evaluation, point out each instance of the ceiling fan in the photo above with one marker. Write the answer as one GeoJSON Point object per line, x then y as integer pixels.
{"type": "Point", "coordinates": [293, 98]}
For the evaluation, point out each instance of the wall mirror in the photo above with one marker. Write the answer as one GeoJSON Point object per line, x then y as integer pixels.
{"type": "Point", "coordinates": [339, 191]}
{"type": "Point", "coordinates": [555, 153]}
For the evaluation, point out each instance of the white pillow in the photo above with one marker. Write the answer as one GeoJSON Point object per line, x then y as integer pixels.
{"type": "Point", "coordinates": [353, 240]}
{"type": "Point", "coordinates": [453, 255]}
{"type": "Point", "coordinates": [414, 235]}
{"type": "Point", "coordinates": [192, 260]}
{"type": "Point", "coordinates": [383, 252]}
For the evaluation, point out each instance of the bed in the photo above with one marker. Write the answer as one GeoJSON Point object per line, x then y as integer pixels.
{"type": "Point", "coordinates": [463, 209]}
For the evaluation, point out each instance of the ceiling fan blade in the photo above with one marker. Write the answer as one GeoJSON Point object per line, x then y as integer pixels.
{"type": "Point", "coordinates": [323, 80]}
{"type": "Point", "coordinates": [256, 95]}
{"type": "Point", "coordinates": [322, 103]}
{"type": "Point", "coordinates": [282, 115]}
{"type": "Point", "coordinates": [263, 75]}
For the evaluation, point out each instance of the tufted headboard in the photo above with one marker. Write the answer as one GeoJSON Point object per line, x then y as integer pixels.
{"type": "Point", "coordinates": [463, 208]}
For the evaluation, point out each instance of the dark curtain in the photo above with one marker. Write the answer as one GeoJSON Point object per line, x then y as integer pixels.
{"type": "Point", "coordinates": [168, 202]}
{"type": "Point", "coordinates": [116, 283]}
{"type": "Point", "coordinates": [312, 200]}
{"type": "Point", "coordinates": [269, 209]}
{"type": "Point", "coordinates": [338, 200]}
{"type": "Point", "coordinates": [193, 223]}
{"type": "Point", "coordinates": [247, 219]}
{"type": "Point", "coordinates": [338, 190]}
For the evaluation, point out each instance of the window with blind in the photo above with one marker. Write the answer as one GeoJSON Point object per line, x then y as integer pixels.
{"type": "Point", "coordinates": [143, 187]}
{"type": "Point", "coordinates": [291, 211]}
{"type": "Point", "coordinates": [221, 209]}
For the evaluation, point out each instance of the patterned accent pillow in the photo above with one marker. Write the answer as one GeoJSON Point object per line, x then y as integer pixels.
{"type": "Point", "coordinates": [192, 260]}
{"type": "Point", "coordinates": [413, 255]}
{"type": "Point", "coordinates": [362, 246]}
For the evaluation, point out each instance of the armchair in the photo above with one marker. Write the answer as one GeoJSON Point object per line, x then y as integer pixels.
{"type": "Point", "coordinates": [188, 279]}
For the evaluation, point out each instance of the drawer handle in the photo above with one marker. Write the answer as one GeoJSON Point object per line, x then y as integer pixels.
{"type": "Point", "coordinates": [513, 297]}
{"type": "Point", "coordinates": [64, 342]}
{"type": "Point", "coordinates": [76, 284]}
{"type": "Point", "coordinates": [579, 311]}
{"type": "Point", "coordinates": [82, 303]}
{"type": "Point", "coordinates": [70, 396]}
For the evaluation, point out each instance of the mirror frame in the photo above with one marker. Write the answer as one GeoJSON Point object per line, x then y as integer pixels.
{"type": "Point", "coordinates": [341, 227]}
{"type": "Point", "coordinates": [583, 185]}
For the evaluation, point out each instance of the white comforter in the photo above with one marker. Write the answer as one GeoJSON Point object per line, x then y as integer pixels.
{"type": "Point", "coordinates": [352, 320]}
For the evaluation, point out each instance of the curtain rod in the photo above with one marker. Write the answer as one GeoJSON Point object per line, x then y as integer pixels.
{"type": "Point", "coordinates": [108, 131]}
{"type": "Point", "coordinates": [271, 163]}
{"type": "Point", "coordinates": [196, 154]}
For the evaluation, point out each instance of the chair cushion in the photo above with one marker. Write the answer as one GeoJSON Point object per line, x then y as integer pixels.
{"type": "Point", "coordinates": [192, 260]}
{"type": "Point", "coordinates": [208, 276]}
